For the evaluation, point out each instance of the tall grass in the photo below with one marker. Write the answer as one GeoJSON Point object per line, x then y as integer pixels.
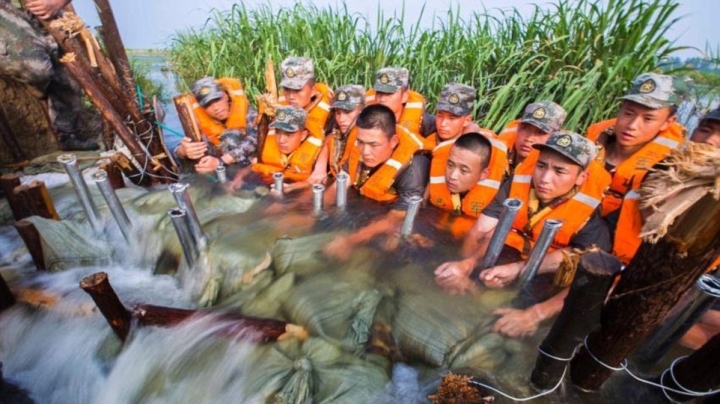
{"type": "Point", "coordinates": [581, 54]}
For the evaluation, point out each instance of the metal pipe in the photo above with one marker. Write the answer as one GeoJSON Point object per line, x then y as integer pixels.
{"type": "Point", "coordinates": [221, 174]}
{"type": "Point", "coordinates": [410, 215]}
{"type": "Point", "coordinates": [116, 208]}
{"type": "Point", "coordinates": [550, 228]}
{"type": "Point", "coordinates": [318, 191]}
{"type": "Point", "coordinates": [182, 197]}
{"type": "Point", "coordinates": [510, 208]}
{"type": "Point", "coordinates": [182, 228]}
{"type": "Point", "coordinates": [278, 181]}
{"type": "Point", "coordinates": [81, 189]}
{"type": "Point", "coordinates": [341, 189]}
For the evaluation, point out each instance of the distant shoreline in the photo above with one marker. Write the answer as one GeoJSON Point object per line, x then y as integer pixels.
{"type": "Point", "coordinates": [163, 52]}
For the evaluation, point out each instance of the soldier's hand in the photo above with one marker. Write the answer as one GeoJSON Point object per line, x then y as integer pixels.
{"type": "Point", "coordinates": [317, 177]}
{"type": "Point", "coordinates": [45, 9]}
{"type": "Point", "coordinates": [500, 276]}
{"type": "Point", "coordinates": [191, 150]}
{"type": "Point", "coordinates": [453, 271]}
{"type": "Point", "coordinates": [516, 323]}
{"type": "Point", "coordinates": [340, 248]}
{"type": "Point", "coordinates": [207, 165]}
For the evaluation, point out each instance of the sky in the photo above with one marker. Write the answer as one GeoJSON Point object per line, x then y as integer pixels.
{"type": "Point", "coordinates": [149, 24]}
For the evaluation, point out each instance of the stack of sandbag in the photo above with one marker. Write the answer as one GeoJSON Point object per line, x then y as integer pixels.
{"type": "Point", "coordinates": [301, 255]}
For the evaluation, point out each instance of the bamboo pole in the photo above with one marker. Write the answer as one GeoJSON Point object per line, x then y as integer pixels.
{"type": "Point", "coordinates": [36, 199]}
{"type": "Point", "coordinates": [31, 236]}
{"type": "Point", "coordinates": [6, 298]}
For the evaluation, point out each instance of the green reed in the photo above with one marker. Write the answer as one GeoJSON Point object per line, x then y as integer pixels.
{"type": "Point", "coordinates": [581, 54]}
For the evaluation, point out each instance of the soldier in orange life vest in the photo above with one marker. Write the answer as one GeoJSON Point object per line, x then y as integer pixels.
{"type": "Point", "coordinates": [538, 121]}
{"type": "Point", "coordinates": [346, 107]}
{"type": "Point", "coordinates": [383, 166]}
{"type": "Point", "coordinates": [288, 149]}
{"type": "Point", "coordinates": [392, 90]}
{"type": "Point", "coordinates": [552, 189]}
{"type": "Point", "coordinates": [708, 131]}
{"type": "Point", "coordinates": [644, 133]}
{"type": "Point", "coordinates": [222, 111]}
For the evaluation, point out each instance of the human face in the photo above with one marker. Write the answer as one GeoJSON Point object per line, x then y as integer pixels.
{"type": "Point", "coordinates": [299, 98]}
{"type": "Point", "coordinates": [449, 126]}
{"type": "Point", "coordinates": [463, 171]}
{"type": "Point", "coordinates": [555, 175]}
{"type": "Point", "coordinates": [637, 124]}
{"type": "Point", "coordinates": [345, 119]}
{"type": "Point", "coordinates": [528, 135]}
{"type": "Point", "coordinates": [288, 142]}
{"type": "Point", "coordinates": [219, 109]}
{"type": "Point", "coordinates": [395, 101]}
{"type": "Point", "coordinates": [708, 132]}
{"type": "Point", "coordinates": [375, 148]}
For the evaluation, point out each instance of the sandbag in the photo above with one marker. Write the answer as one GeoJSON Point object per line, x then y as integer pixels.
{"type": "Point", "coordinates": [302, 255]}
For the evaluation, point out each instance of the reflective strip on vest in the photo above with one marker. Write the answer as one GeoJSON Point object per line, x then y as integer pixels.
{"type": "Point", "coordinates": [236, 92]}
{"type": "Point", "coordinates": [317, 142]}
{"type": "Point", "coordinates": [394, 163]}
{"type": "Point", "coordinates": [490, 184]}
{"type": "Point", "coordinates": [509, 130]}
{"type": "Point", "coordinates": [498, 144]}
{"type": "Point", "coordinates": [632, 195]}
{"type": "Point", "coordinates": [369, 98]}
{"type": "Point", "coordinates": [443, 144]}
{"type": "Point", "coordinates": [416, 105]}
{"type": "Point", "coordinates": [666, 142]}
{"type": "Point", "coordinates": [324, 106]}
{"type": "Point", "coordinates": [437, 180]}
{"type": "Point", "coordinates": [522, 179]}
{"type": "Point", "coordinates": [271, 132]}
{"type": "Point", "coordinates": [587, 200]}
{"type": "Point", "coordinates": [195, 105]}
{"type": "Point", "coordinates": [281, 99]}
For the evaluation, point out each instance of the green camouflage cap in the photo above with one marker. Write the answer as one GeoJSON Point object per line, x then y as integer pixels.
{"type": "Point", "coordinates": [391, 79]}
{"type": "Point", "coordinates": [296, 71]}
{"type": "Point", "coordinates": [348, 97]}
{"type": "Point", "coordinates": [206, 90]}
{"type": "Point", "coordinates": [571, 145]}
{"type": "Point", "coordinates": [544, 115]}
{"type": "Point", "coordinates": [456, 99]}
{"type": "Point", "coordinates": [289, 119]}
{"type": "Point", "coordinates": [713, 115]}
{"type": "Point", "coordinates": [654, 90]}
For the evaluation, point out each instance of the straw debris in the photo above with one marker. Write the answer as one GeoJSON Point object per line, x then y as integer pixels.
{"type": "Point", "coordinates": [456, 389]}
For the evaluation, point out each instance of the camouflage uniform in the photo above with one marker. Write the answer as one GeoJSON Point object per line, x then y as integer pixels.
{"type": "Point", "coordinates": [456, 99]}
{"type": "Point", "coordinates": [28, 55]}
{"type": "Point", "coordinates": [571, 145]}
{"type": "Point", "coordinates": [656, 90]}
{"type": "Point", "coordinates": [296, 71]}
{"type": "Point", "coordinates": [545, 115]}
{"type": "Point", "coordinates": [289, 119]}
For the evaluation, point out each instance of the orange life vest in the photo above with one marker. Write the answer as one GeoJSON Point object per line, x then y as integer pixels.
{"type": "Point", "coordinates": [508, 136]}
{"type": "Point", "coordinates": [626, 180]}
{"type": "Point", "coordinates": [318, 114]}
{"type": "Point", "coordinates": [299, 164]}
{"type": "Point", "coordinates": [237, 118]}
{"type": "Point", "coordinates": [413, 110]}
{"type": "Point", "coordinates": [479, 195]}
{"type": "Point", "coordinates": [332, 144]}
{"type": "Point", "coordinates": [379, 185]}
{"type": "Point", "coordinates": [574, 212]}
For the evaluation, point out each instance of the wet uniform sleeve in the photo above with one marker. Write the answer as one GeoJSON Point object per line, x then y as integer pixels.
{"type": "Point", "coordinates": [495, 208]}
{"type": "Point", "coordinates": [594, 232]}
{"type": "Point", "coordinates": [412, 181]}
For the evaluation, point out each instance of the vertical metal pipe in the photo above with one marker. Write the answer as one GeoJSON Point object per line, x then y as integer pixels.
{"type": "Point", "coordinates": [69, 161]}
{"type": "Point", "coordinates": [278, 181]}
{"type": "Point", "coordinates": [550, 228]}
{"type": "Point", "coordinates": [497, 241]}
{"type": "Point", "coordinates": [410, 215]}
{"type": "Point", "coordinates": [182, 228]}
{"type": "Point", "coordinates": [116, 208]}
{"type": "Point", "coordinates": [318, 191]}
{"type": "Point", "coordinates": [341, 189]}
{"type": "Point", "coordinates": [182, 197]}
{"type": "Point", "coordinates": [221, 174]}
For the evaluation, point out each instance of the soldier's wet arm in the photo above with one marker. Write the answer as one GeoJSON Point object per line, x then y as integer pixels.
{"type": "Point", "coordinates": [412, 181]}
{"type": "Point", "coordinates": [594, 232]}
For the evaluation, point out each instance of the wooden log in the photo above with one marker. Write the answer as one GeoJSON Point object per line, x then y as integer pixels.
{"type": "Point", "coordinates": [6, 298]}
{"type": "Point", "coordinates": [650, 286]}
{"type": "Point", "coordinates": [36, 199]}
{"type": "Point", "coordinates": [115, 174]}
{"type": "Point", "coordinates": [8, 183]}
{"type": "Point", "coordinates": [30, 235]}
{"type": "Point", "coordinates": [580, 314]}
{"type": "Point", "coordinates": [102, 104]}
{"type": "Point", "coordinates": [129, 169]}
{"type": "Point", "coordinates": [699, 372]}
{"type": "Point", "coordinates": [98, 287]}
{"type": "Point", "coordinates": [183, 105]}
{"type": "Point", "coordinates": [9, 139]}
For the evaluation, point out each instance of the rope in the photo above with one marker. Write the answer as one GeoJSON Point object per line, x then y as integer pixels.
{"type": "Point", "coordinates": [622, 367]}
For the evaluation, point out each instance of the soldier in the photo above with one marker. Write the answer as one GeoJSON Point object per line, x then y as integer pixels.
{"type": "Point", "coordinates": [538, 121]}
{"type": "Point", "coordinates": [347, 104]}
{"type": "Point", "coordinates": [708, 131]}
{"type": "Point", "coordinates": [222, 111]}
{"type": "Point", "coordinates": [28, 55]}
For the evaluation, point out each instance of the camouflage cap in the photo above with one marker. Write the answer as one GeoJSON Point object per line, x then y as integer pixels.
{"type": "Point", "coordinates": [713, 115]}
{"type": "Point", "coordinates": [456, 99]}
{"type": "Point", "coordinates": [391, 79]}
{"type": "Point", "coordinates": [349, 97]}
{"type": "Point", "coordinates": [296, 71]}
{"type": "Point", "coordinates": [289, 119]}
{"type": "Point", "coordinates": [653, 90]}
{"type": "Point", "coordinates": [571, 145]}
{"type": "Point", "coordinates": [206, 90]}
{"type": "Point", "coordinates": [545, 115]}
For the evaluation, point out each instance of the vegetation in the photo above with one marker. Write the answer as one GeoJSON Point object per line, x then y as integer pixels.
{"type": "Point", "coordinates": [579, 53]}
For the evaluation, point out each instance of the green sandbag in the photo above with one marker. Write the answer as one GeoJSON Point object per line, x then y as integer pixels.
{"type": "Point", "coordinates": [66, 244]}
{"type": "Point", "coordinates": [338, 308]}
{"type": "Point", "coordinates": [268, 302]}
{"type": "Point", "coordinates": [314, 371]}
{"type": "Point", "coordinates": [302, 255]}
{"type": "Point", "coordinates": [485, 353]}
